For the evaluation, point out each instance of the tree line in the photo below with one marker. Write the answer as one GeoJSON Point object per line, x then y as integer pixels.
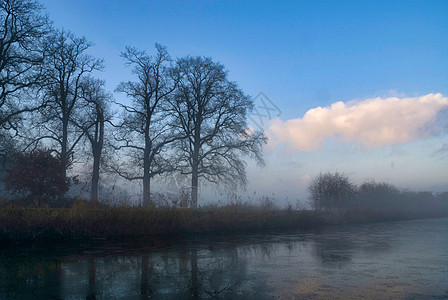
{"type": "Point", "coordinates": [183, 116]}
{"type": "Point", "coordinates": [335, 191]}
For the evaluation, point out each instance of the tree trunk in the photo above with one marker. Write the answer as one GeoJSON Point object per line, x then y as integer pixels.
{"type": "Point", "coordinates": [97, 148]}
{"type": "Point", "coordinates": [194, 188]}
{"type": "Point", "coordinates": [95, 176]}
{"type": "Point", "coordinates": [146, 190]}
{"type": "Point", "coordinates": [147, 169]}
{"type": "Point", "coordinates": [146, 178]}
{"type": "Point", "coordinates": [195, 167]}
{"type": "Point", "coordinates": [64, 146]}
{"type": "Point", "coordinates": [64, 152]}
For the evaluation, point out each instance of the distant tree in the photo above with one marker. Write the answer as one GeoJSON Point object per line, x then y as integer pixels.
{"type": "Point", "coordinates": [331, 191]}
{"type": "Point", "coordinates": [378, 195]}
{"type": "Point", "coordinates": [442, 199]}
{"type": "Point", "coordinates": [66, 64]}
{"type": "Point", "coordinates": [38, 176]}
{"type": "Point", "coordinates": [443, 196]}
{"type": "Point", "coordinates": [22, 27]}
{"type": "Point", "coordinates": [377, 187]}
{"type": "Point", "coordinates": [211, 111]}
{"type": "Point", "coordinates": [92, 120]}
{"type": "Point", "coordinates": [147, 128]}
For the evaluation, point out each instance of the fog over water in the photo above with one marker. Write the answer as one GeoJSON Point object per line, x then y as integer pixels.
{"type": "Point", "coordinates": [406, 259]}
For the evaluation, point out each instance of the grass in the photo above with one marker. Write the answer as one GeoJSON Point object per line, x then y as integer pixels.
{"type": "Point", "coordinates": [84, 221]}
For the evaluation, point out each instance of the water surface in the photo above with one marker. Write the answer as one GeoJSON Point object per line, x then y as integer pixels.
{"type": "Point", "coordinates": [396, 260]}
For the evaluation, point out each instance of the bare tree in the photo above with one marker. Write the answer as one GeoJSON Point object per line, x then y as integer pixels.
{"type": "Point", "coordinates": [66, 64]}
{"type": "Point", "coordinates": [328, 191]}
{"type": "Point", "coordinates": [147, 128]}
{"type": "Point", "coordinates": [22, 26]}
{"type": "Point", "coordinates": [378, 195]}
{"type": "Point", "coordinates": [212, 112]}
{"type": "Point", "coordinates": [92, 120]}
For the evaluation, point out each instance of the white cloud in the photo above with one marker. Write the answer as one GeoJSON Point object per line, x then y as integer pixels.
{"type": "Point", "coordinates": [372, 123]}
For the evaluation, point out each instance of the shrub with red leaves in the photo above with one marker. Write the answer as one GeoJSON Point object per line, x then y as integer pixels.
{"type": "Point", "coordinates": [39, 176]}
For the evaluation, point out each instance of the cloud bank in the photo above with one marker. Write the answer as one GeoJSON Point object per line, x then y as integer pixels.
{"type": "Point", "coordinates": [372, 123]}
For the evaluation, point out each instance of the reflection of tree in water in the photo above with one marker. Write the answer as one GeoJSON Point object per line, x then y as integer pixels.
{"type": "Point", "coordinates": [206, 274]}
{"type": "Point", "coordinates": [91, 292]}
{"type": "Point", "coordinates": [183, 274]}
{"type": "Point", "coordinates": [262, 251]}
{"type": "Point", "coordinates": [163, 275]}
{"type": "Point", "coordinates": [217, 271]}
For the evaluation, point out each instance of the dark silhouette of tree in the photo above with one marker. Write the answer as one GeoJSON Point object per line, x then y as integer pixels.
{"type": "Point", "coordinates": [146, 128]}
{"type": "Point", "coordinates": [38, 175]}
{"type": "Point", "coordinates": [22, 26]}
{"type": "Point", "coordinates": [377, 195]}
{"type": "Point", "coordinates": [331, 191]}
{"type": "Point", "coordinates": [92, 120]}
{"type": "Point", "coordinates": [66, 65]}
{"type": "Point", "coordinates": [212, 112]}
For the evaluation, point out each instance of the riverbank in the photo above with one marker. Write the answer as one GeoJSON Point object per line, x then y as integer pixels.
{"type": "Point", "coordinates": [83, 221]}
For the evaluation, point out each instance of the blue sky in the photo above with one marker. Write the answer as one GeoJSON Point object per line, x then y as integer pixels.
{"type": "Point", "coordinates": [303, 55]}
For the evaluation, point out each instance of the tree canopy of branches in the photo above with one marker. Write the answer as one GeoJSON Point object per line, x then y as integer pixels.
{"type": "Point", "coordinates": [66, 64]}
{"type": "Point", "coordinates": [146, 128]}
{"type": "Point", "coordinates": [22, 26]}
{"type": "Point", "coordinates": [187, 118]}
{"type": "Point", "coordinates": [331, 191]}
{"type": "Point", "coordinates": [211, 112]}
{"type": "Point", "coordinates": [38, 175]}
{"type": "Point", "coordinates": [377, 195]}
{"type": "Point", "coordinates": [94, 115]}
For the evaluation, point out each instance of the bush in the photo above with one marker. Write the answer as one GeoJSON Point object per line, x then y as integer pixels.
{"type": "Point", "coordinates": [331, 191]}
{"type": "Point", "coordinates": [38, 176]}
{"type": "Point", "coordinates": [377, 195]}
